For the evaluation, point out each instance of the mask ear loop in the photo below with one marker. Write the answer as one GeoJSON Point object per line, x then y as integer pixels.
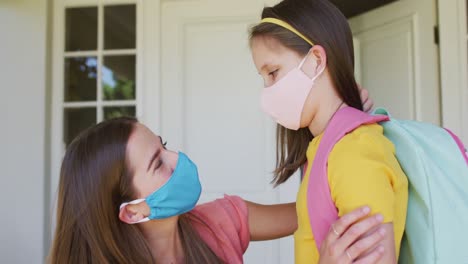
{"type": "Point", "coordinates": [303, 61]}
{"type": "Point", "coordinates": [302, 64]}
{"type": "Point", "coordinates": [137, 201]}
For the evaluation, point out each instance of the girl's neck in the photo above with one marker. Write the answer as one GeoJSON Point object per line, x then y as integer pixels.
{"type": "Point", "coordinates": [330, 104]}
{"type": "Point", "coordinates": [164, 240]}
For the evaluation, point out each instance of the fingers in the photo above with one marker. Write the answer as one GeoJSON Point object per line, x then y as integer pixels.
{"type": "Point", "coordinates": [368, 105]}
{"type": "Point", "coordinates": [342, 224]}
{"type": "Point", "coordinates": [346, 231]}
{"type": "Point", "coordinates": [367, 102]}
{"type": "Point", "coordinates": [365, 244]}
{"type": "Point", "coordinates": [373, 257]}
{"type": "Point", "coordinates": [364, 95]}
{"type": "Point", "coordinates": [356, 231]}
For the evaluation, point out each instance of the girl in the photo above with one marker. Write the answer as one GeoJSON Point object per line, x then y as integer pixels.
{"type": "Point", "coordinates": [101, 220]}
{"type": "Point", "coordinates": [304, 52]}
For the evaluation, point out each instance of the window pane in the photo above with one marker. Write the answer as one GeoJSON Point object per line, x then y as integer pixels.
{"type": "Point", "coordinates": [77, 120]}
{"type": "Point", "coordinates": [112, 112]}
{"type": "Point", "coordinates": [118, 77]}
{"type": "Point", "coordinates": [120, 27]}
{"type": "Point", "coordinates": [80, 79]}
{"type": "Point", "coordinates": [81, 29]}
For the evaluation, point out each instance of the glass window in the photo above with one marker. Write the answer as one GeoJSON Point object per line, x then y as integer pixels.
{"type": "Point", "coordinates": [120, 27]}
{"type": "Point", "coordinates": [81, 29]}
{"type": "Point", "coordinates": [100, 65]}
{"type": "Point", "coordinates": [77, 120]}
{"type": "Point", "coordinates": [113, 112]}
{"type": "Point", "coordinates": [80, 79]}
{"type": "Point", "coordinates": [118, 77]}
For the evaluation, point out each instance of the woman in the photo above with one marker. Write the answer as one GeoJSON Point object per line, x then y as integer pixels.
{"type": "Point", "coordinates": [124, 198]}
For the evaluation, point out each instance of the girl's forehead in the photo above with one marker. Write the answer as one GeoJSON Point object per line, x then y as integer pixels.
{"type": "Point", "coordinates": [267, 51]}
{"type": "Point", "coordinates": [267, 44]}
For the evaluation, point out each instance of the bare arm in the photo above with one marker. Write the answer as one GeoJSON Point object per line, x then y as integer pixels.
{"type": "Point", "coordinates": [268, 222]}
{"type": "Point", "coordinates": [363, 239]}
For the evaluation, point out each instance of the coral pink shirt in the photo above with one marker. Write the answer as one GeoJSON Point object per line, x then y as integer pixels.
{"type": "Point", "coordinates": [225, 228]}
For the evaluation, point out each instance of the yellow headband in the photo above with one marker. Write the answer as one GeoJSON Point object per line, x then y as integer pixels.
{"type": "Point", "coordinates": [286, 26]}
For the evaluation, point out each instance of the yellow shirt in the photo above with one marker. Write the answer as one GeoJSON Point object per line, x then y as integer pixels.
{"type": "Point", "coordinates": [362, 170]}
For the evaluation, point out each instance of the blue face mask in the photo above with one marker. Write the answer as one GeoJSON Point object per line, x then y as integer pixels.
{"type": "Point", "coordinates": [178, 195]}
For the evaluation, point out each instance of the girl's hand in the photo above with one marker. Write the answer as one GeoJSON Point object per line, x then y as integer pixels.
{"type": "Point", "coordinates": [366, 100]}
{"type": "Point", "coordinates": [346, 241]}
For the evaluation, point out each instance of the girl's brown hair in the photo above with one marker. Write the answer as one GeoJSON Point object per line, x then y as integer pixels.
{"type": "Point", "coordinates": [322, 23]}
{"type": "Point", "coordinates": [94, 181]}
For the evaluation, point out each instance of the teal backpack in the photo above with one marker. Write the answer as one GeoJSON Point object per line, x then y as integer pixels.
{"type": "Point", "coordinates": [436, 164]}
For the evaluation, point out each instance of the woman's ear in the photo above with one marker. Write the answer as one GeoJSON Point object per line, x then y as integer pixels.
{"type": "Point", "coordinates": [133, 213]}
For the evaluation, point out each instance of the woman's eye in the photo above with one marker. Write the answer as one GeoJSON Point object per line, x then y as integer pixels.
{"type": "Point", "coordinates": [158, 165]}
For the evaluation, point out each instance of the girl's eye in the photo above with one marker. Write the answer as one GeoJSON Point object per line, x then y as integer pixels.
{"type": "Point", "coordinates": [273, 73]}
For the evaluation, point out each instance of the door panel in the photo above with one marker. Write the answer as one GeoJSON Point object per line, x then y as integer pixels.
{"type": "Point", "coordinates": [397, 58]}
{"type": "Point", "coordinates": [210, 95]}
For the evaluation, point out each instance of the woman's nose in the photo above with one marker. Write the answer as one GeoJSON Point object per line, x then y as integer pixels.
{"type": "Point", "coordinates": [172, 157]}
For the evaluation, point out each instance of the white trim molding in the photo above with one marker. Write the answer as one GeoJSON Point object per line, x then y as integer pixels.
{"type": "Point", "coordinates": [145, 10]}
{"type": "Point", "coordinates": [454, 65]}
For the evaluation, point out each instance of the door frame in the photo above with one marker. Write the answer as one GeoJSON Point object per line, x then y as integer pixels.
{"type": "Point", "coordinates": [454, 65]}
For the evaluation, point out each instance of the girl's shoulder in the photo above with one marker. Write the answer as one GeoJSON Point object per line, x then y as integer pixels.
{"type": "Point", "coordinates": [368, 138]}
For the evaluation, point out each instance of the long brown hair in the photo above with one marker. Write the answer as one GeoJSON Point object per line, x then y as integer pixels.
{"type": "Point", "coordinates": [94, 181]}
{"type": "Point", "coordinates": [322, 23]}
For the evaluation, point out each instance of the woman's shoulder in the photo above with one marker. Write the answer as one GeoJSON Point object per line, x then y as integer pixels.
{"type": "Point", "coordinates": [229, 213]}
{"type": "Point", "coordinates": [223, 225]}
{"type": "Point", "coordinates": [225, 205]}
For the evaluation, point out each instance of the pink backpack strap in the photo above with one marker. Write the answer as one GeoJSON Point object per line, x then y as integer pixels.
{"type": "Point", "coordinates": [321, 208]}
{"type": "Point", "coordinates": [460, 145]}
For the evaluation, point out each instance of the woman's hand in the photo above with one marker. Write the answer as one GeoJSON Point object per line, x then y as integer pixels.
{"type": "Point", "coordinates": [348, 242]}
{"type": "Point", "coordinates": [366, 100]}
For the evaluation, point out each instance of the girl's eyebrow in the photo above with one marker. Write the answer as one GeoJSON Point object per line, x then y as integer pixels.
{"type": "Point", "coordinates": [266, 65]}
{"type": "Point", "coordinates": [263, 67]}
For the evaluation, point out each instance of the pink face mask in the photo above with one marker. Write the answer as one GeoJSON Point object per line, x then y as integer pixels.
{"type": "Point", "coordinates": [285, 99]}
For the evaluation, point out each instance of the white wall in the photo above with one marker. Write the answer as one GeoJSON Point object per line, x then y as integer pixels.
{"type": "Point", "coordinates": [23, 142]}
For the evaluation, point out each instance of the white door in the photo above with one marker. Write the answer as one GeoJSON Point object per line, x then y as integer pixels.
{"type": "Point", "coordinates": [397, 58]}
{"type": "Point", "coordinates": [210, 106]}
